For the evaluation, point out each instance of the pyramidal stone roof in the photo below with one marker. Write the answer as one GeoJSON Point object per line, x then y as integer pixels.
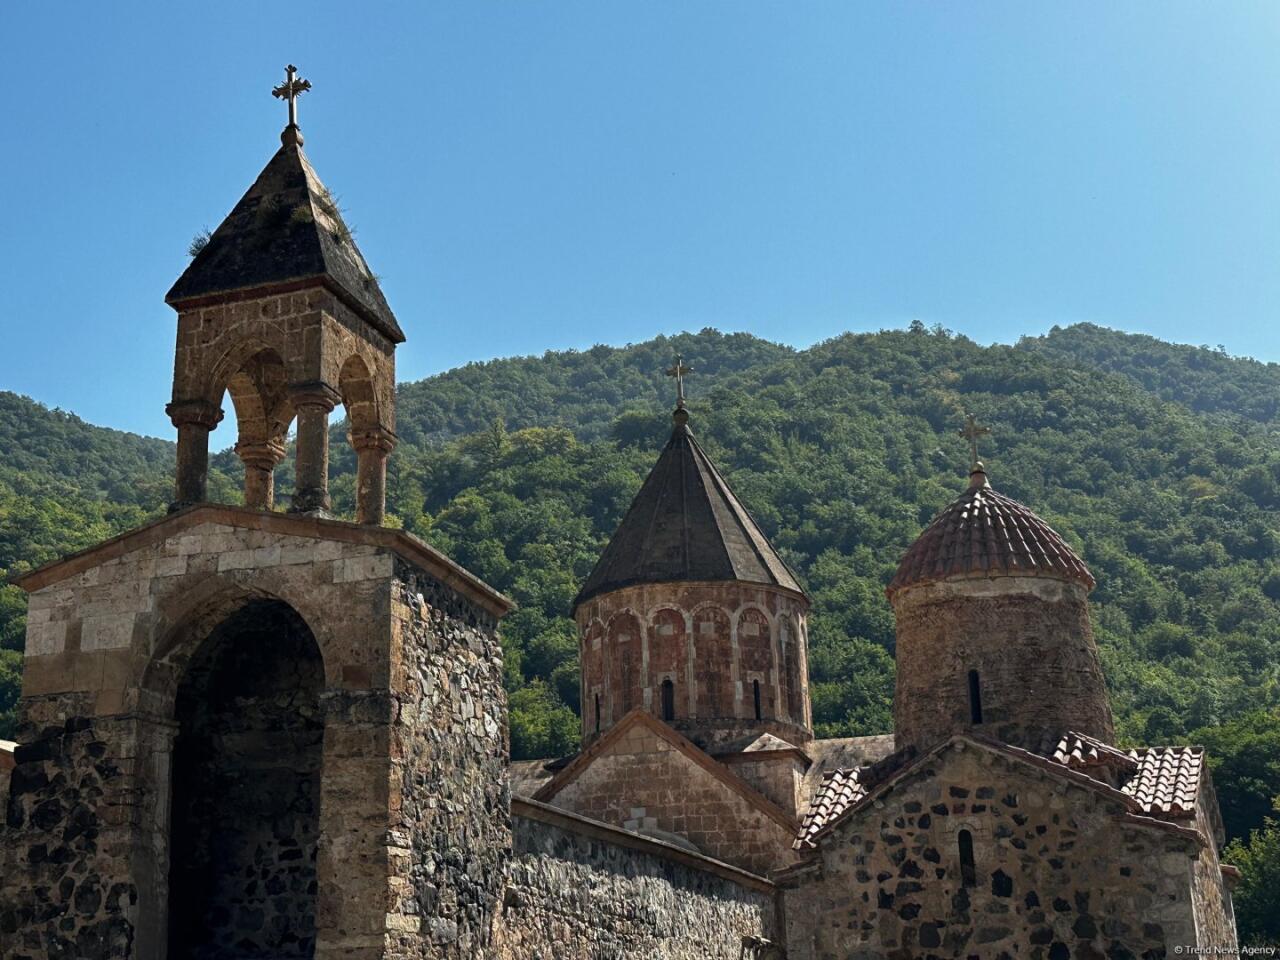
{"type": "Point", "coordinates": [986, 534]}
{"type": "Point", "coordinates": [685, 524]}
{"type": "Point", "coordinates": [286, 228]}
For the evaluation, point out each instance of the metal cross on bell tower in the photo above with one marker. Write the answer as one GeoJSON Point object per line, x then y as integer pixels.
{"type": "Point", "coordinates": [292, 88]}
{"type": "Point", "coordinates": [971, 431]}
{"type": "Point", "coordinates": [679, 370]}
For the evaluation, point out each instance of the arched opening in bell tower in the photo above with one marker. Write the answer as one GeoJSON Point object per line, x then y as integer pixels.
{"type": "Point", "coordinates": [246, 790]}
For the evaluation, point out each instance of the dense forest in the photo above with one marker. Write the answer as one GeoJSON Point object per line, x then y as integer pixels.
{"type": "Point", "coordinates": [1159, 463]}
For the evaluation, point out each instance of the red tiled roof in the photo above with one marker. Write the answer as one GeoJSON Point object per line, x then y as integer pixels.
{"type": "Point", "coordinates": [1167, 781]}
{"type": "Point", "coordinates": [1159, 782]}
{"type": "Point", "coordinates": [1081, 751]}
{"type": "Point", "coordinates": [984, 533]}
{"type": "Point", "coordinates": [839, 790]}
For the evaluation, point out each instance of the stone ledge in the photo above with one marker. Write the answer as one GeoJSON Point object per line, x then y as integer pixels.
{"type": "Point", "coordinates": [595, 830]}
{"type": "Point", "coordinates": [405, 545]}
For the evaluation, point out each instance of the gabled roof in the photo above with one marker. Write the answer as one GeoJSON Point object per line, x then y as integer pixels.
{"type": "Point", "coordinates": [685, 524]}
{"type": "Point", "coordinates": [287, 228]}
{"type": "Point", "coordinates": [844, 792]}
{"type": "Point", "coordinates": [641, 717]}
{"type": "Point", "coordinates": [986, 534]}
{"type": "Point", "coordinates": [405, 545]}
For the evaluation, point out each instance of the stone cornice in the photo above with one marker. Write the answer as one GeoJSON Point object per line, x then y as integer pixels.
{"type": "Point", "coordinates": [404, 545]}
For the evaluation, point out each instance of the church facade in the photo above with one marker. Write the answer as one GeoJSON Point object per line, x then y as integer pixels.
{"type": "Point", "coordinates": [247, 733]}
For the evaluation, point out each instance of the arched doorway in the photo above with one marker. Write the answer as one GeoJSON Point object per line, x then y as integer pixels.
{"type": "Point", "coordinates": [246, 790]}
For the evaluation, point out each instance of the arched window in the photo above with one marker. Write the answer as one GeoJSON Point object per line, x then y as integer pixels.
{"type": "Point", "coordinates": [968, 872]}
{"type": "Point", "coordinates": [755, 693]}
{"type": "Point", "coordinates": [597, 713]}
{"type": "Point", "coordinates": [668, 699]}
{"type": "Point", "coordinates": [975, 698]}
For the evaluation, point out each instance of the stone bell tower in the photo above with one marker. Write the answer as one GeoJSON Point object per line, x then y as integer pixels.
{"type": "Point", "coordinates": [244, 733]}
{"type": "Point", "coordinates": [281, 311]}
{"type": "Point", "coordinates": [993, 633]}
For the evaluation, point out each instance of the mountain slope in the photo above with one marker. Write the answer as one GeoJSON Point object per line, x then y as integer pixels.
{"type": "Point", "coordinates": [522, 468]}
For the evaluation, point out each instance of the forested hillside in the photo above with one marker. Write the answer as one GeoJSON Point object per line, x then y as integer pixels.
{"type": "Point", "coordinates": [1159, 463]}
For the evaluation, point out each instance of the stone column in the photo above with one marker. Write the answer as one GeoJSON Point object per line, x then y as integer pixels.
{"type": "Point", "coordinates": [194, 419]}
{"type": "Point", "coordinates": [314, 402]}
{"type": "Point", "coordinates": [372, 449]}
{"type": "Point", "coordinates": [260, 460]}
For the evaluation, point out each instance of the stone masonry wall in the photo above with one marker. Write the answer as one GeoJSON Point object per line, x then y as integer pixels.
{"type": "Point", "coordinates": [1030, 642]}
{"type": "Point", "coordinates": [713, 642]}
{"type": "Point", "coordinates": [575, 893]}
{"type": "Point", "coordinates": [645, 783]}
{"type": "Point", "coordinates": [449, 844]}
{"type": "Point", "coordinates": [1058, 872]}
{"type": "Point", "coordinates": [66, 892]}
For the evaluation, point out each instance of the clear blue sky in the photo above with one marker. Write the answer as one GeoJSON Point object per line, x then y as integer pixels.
{"type": "Point", "coordinates": [543, 175]}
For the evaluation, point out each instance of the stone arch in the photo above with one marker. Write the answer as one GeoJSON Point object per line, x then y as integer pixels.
{"type": "Point", "coordinates": [668, 656]}
{"type": "Point", "coordinates": [713, 656]}
{"type": "Point", "coordinates": [754, 629]}
{"type": "Point", "coordinates": [185, 624]}
{"type": "Point", "coordinates": [793, 667]}
{"type": "Point", "coordinates": [359, 395]}
{"type": "Point", "coordinates": [193, 610]}
{"type": "Point", "coordinates": [246, 786]}
{"type": "Point", "coordinates": [593, 677]}
{"type": "Point", "coordinates": [625, 661]}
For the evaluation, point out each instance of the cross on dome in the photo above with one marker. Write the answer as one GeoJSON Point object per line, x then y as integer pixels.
{"type": "Point", "coordinates": [679, 370]}
{"type": "Point", "coordinates": [292, 88]}
{"type": "Point", "coordinates": [971, 431]}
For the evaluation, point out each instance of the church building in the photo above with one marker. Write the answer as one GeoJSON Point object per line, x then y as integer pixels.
{"type": "Point", "coordinates": [248, 733]}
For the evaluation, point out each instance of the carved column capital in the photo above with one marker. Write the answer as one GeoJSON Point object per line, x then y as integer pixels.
{"type": "Point", "coordinates": [314, 393]}
{"type": "Point", "coordinates": [265, 455]}
{"type": "Point", "coordinates": [200, 413]}
{"type": "Point", "coordinates": [379, 438]}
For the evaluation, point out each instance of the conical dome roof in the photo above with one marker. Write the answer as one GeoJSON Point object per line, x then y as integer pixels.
{"type": "Point", "coordinates": [685, 524]}
{"type": "Point", "coordinates": [986, 534]}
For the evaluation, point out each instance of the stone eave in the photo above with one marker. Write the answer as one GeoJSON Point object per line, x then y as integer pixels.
{"type": "Point", "coordinates": [684, 746]}
{"type": "Point", "coordinates": [307, 282]}
{"type": "Point", "coordinates": [1132, 814]}
{"type": "Point", "coordinates": [1031, 573]}
{"type": "Point", "coordinates": [762, 756]}
{"type": "Point", "coordinates": [404, 545]}
{"type": "Point", "coordinates": [679, 581]}
{"type": "Point", "coordinates": [598, 830]}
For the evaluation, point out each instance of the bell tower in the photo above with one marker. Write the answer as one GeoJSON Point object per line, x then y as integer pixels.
{"type": "Point", "coordinates": [280, 310]}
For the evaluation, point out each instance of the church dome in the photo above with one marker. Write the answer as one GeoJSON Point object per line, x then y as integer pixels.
{"type": "Point", "coordinates": [986, 534]}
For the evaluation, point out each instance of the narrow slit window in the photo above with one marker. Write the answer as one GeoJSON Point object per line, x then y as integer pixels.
{"type": "Point", "coordinates": [968, 872]}
{"type": "Point", "coordinates": [597, 713]}
{"type": "Point", "coordinates": [975, 698]}
{"type": "Point", "coordinates": [755, 693]}
{"type": "Point", "coordinates": [668, 699]}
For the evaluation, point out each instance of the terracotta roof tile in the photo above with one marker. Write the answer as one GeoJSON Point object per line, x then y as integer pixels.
{"type": "Point", "coordinates": [840, 789]}
{"type": "Point", "coordinates": [1081, 752]}
{"type": "Point", "coordinates": [1167, 781]}
{"type": "Point", "coordinates": [984, 533]}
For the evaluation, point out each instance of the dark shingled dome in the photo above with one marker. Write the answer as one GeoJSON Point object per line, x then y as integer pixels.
{"type": "Point", "coordinates": [986, 534]}
{"type": "Point", "coordinates": [686, 524]}
{"type": "Point", "coordinates": [286, 228]}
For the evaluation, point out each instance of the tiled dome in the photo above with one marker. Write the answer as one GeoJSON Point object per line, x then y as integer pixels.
{"type": "Point", "coordinates": [984, 533]}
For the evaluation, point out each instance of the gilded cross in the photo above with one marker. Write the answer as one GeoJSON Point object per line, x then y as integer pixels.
{"type": "Point", "coordinates": [678, 371]}
{"type": "Point", "coordinates": [292, 88]}
{"type": "Point", "coordinates": [971, 431]}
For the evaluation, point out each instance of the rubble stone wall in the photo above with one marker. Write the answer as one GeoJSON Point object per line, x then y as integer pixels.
{"type": "Point", "coordinates": [451, 832]}
{"type": "Point", "coordinates": [1058, 871]}
{"type": "Point", "coordinates": [579, 891]}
